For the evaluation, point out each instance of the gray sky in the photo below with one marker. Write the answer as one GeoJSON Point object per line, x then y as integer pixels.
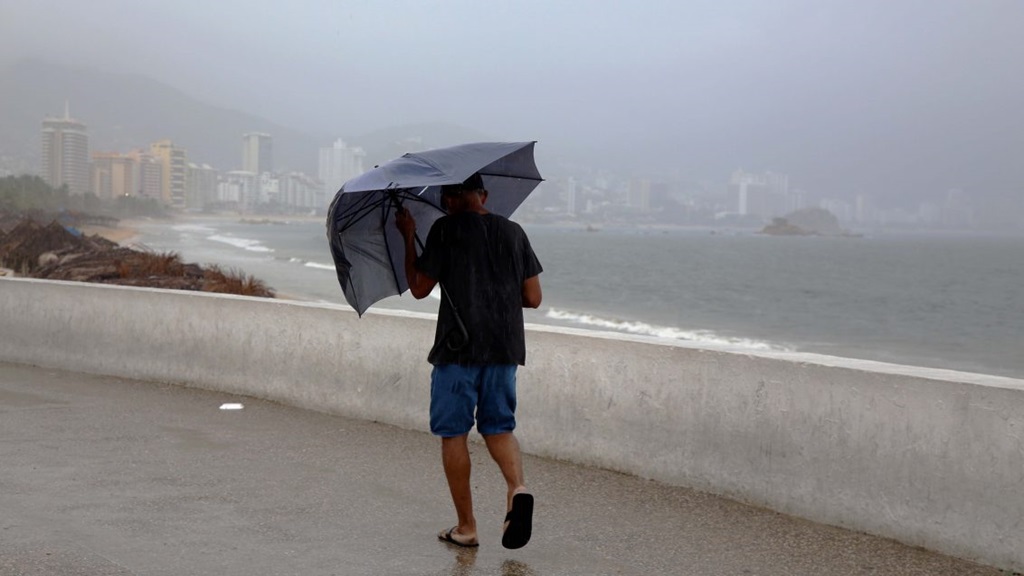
{"type": "Point", "coordinates": [865, 89]}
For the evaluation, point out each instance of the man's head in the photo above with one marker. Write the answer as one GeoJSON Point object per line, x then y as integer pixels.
{"type": "Point", "coordinates": [467, 196]}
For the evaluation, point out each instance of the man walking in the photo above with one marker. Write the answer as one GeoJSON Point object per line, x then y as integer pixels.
{"type": "Point", "coordinates": [488, 273]}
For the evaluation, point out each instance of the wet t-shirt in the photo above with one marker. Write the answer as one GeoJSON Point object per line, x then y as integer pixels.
{"type": "Point", "coordinates": [481, 260]}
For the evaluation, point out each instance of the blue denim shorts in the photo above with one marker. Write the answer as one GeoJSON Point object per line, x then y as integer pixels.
{"type": "Point", "coordinates": [457, 391]}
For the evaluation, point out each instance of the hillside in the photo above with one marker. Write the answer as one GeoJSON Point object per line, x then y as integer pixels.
{"type": "Point", "coordinates": [126, 111]}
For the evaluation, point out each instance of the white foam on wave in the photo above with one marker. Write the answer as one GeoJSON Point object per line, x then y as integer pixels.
{"type": "Point", "coordinates": [667, 332]}
{"type": "Point", "coordinates": [317, 265]}
{"type": "Point", "coordinates": [243, 243]}
{"type": "Point", "coordinates": [199, 228]}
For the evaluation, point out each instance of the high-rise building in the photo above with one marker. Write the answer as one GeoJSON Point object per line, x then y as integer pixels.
{"type": "Point", "coordinates": [65, 153]}
{"type": "Point", "coordinates": [338, 163]}
{"type": "Point", "coordinates": [257, 153]}
{"type": "Point", "coordinates": [149, 177]}
{"type": "Point", "coordinates": [765, 195]}
{"type": "Point", "coordinates": [99, 177]}
{"type": "Point", "coordinates": [175, 163]}
{"type": "Point", "coordinates": [301, 191]}
{"type": "Point", "coordinates": [639, 194]}
{"type": "Point", "coordinates": [570, 196]}
{"type": "Point", "coordinates": [239, 187]}
{"type": "Point", "coordinates": [270, 189]}
{"type": "Point", "coordinates": [201, 186]}
{"type": "Point", "coordinates": [114, 175]}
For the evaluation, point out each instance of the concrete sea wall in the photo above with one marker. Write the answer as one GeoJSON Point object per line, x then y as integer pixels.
{"type": "Point", "coordinates": [933, 458]}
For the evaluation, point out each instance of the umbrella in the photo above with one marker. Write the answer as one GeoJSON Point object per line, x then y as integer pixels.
{"type": "Point", "coordinates": [368, 250]}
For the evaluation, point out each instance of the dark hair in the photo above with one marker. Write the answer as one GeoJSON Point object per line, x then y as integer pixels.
{"type": "Point", "coordinates": [474, 182]}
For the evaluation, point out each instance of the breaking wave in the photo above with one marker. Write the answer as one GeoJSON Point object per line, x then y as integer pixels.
{"type": "Point", "coordinates": [667, 332]}
{"type": "Point", "coordinates": [193, 228]}
{"type": "Point", "coordinates": [243, 243]}
{"type": "Point", "coordinates": [316, 265]}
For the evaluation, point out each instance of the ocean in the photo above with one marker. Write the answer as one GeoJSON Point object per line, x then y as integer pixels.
{"type": "Point", "coordinates": [942, 301]}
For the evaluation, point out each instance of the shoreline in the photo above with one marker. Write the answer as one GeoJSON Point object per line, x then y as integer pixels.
{"type": "Point", "coordinates": [286, 268]}
{"type": "Point", "coordinates": [128, 233]}
{"type": "Point", "coordinates": [123, 234]}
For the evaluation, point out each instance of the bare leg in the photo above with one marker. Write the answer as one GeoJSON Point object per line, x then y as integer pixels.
{"type": "Point", "coordinates": [504, 449]}
{"type": "Point", "coordinates": [457, 465]}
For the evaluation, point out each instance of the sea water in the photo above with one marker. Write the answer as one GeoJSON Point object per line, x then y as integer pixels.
{"type": "Point", "coordinates": [941, 301]}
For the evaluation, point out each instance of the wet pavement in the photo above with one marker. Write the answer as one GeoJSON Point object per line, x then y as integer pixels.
{"type": "Point", "coordinates": [104, 476]}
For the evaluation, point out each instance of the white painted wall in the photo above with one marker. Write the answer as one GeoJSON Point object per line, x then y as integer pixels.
{"type": "Point", "coordinates": [929, 457]}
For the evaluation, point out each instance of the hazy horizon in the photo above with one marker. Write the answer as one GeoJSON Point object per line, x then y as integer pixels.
{"type": "Point", "coordinates": [875, 96]}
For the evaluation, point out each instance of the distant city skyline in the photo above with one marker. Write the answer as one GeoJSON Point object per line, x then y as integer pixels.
{"type": "Point", "coordinates": [896, 100]}
{"type": "Point", "coordinates": [747, 198]}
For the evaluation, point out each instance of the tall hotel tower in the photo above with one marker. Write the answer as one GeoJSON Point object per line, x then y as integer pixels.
{"type": "Point", "coordinates": [338, 163]}
{"type": "Point", "coordinates": [65, 153]}
{"type": "Point", "coordinates": [175, 171]}
{"type": "Point", "coordinates": [257, 153]}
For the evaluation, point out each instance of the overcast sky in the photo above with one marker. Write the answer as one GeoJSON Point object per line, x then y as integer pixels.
{"type": "Point", "coordinates": [797, 86]}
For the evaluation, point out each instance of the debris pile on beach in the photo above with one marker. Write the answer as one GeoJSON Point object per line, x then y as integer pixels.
{"type": "Point", "coordinates": [54, 252]}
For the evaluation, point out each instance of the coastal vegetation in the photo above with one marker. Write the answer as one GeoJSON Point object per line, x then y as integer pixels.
{"type": "Point", "coordinates": [31, 195]}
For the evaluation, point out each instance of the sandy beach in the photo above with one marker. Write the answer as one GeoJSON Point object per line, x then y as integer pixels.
{"type": "Point", "coordinates": [124, 233]}
{"type": "Point", "coordinates": [127, 231]}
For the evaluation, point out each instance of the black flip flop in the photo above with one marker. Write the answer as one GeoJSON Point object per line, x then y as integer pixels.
{"type": "Point", "coordinates": [520, 522]}
{"type": "Point", "coordinates": [446, 536]}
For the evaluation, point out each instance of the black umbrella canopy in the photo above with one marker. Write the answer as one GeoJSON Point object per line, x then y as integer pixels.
{"type": "Point", "coordinates": [368, 251]}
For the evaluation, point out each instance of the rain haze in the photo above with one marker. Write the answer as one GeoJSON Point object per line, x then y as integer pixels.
{"type": "Point", "coordinates": [908, 98]}
{"type": "Point", "coordinates": [796, 227]}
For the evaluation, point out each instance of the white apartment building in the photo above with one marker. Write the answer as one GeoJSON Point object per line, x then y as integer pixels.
{"type": "Point", "coordinates": [65, 159]}
{"type": "Point", "coordinates": [269, 189]}
{"type": "Point", "coordinates": [338, 163]}
{"type": "Point", "coordinates": [301, 191]}
{"type": "Point", "coordinates": [239, 187]}
{"type": "Point", "coordinates": [570, 196]}
{"type": "Point", "coordinates": [201, 186]}
{"type": "Point", "coordinates": [765, 195]}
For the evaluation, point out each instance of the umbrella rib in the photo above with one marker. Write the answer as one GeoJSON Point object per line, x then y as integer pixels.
{"type": "Point", "coordinates": [507, 176]}
{"type": "Point", "coordinates": [358, 214]}
{"type": "Point", "coordinates": [385, 208]}
{"type": "Point", "coordinates": [356, 207]}
{"type": "Point", "coordinates": [366, 201]}
{"type": "Point", "coordinates": [425, 201]}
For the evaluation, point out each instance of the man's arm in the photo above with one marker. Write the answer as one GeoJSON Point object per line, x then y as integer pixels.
{"type": "Point", "coordinates": [420, 285]}
{"type": "Point", "coordinates": [531, 292]}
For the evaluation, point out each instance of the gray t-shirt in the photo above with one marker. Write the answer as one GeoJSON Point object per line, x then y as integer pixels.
{"type": "Point", "coordinates": [481, 260]}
